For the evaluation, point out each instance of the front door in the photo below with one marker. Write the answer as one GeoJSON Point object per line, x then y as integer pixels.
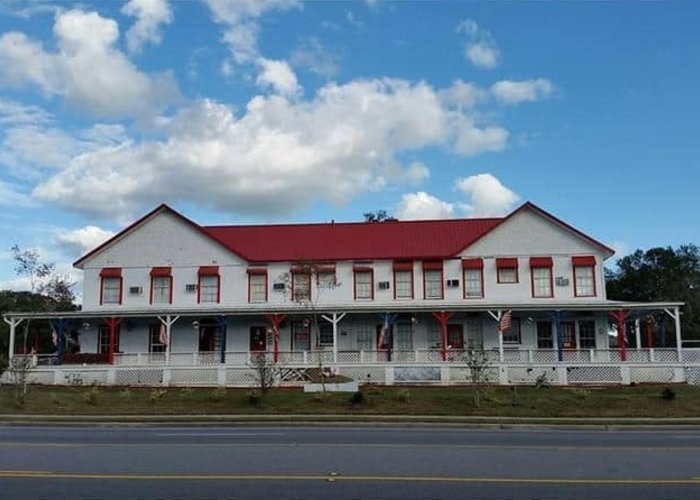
{"type": "Point", "coordinates": [258, 339]}
{"type": "Point", "coordinates": [455, 337]}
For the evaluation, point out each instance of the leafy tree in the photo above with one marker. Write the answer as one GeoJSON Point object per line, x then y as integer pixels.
{"type": "Point", "coordinates": [658, 275]}
{"type": "Point", "coordinates": [378, 216]}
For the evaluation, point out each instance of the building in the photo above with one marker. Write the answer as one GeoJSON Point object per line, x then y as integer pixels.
{"type": "Point", "coordinates": [168, 301]}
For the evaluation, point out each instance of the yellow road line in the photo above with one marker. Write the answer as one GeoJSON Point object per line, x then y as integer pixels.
{"type": "Point", "coordinates": [339, 477]}
{"type": "Point", "coordinates": [650, 449]}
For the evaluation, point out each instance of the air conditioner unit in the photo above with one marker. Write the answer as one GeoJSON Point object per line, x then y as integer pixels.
{"type": "Point", "coordinates": [453, 283]}
{"type": "Point", "coordinates": [562, 281]}
{"type": "Point", "coordinates": [383, 285]}
{"type": "Point", "coordinates": [135, 290]}
{"type": "Point", "coordinates": [190, 287]}
{"type": "Point", "coordinates": [278, 287]}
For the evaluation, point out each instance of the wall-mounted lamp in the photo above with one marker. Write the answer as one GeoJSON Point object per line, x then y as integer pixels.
{"type": "Point", "coordinates": [195, 325]}
{"type": "Point", "coordinates": [86, 326]}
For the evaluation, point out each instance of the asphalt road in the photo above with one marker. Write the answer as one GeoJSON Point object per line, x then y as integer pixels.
{"type": "Point", "coordinates": [168, 463]}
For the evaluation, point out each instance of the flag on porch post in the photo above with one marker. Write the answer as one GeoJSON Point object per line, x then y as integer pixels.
{"type": "Point", "coordinates": [383, 333]}
{"type": "Point", "coordinates": [505, 322]}
{"type": "Point", "coordinates": [163, 335]}
{"type": "Point", "coordinates": [54, 337]}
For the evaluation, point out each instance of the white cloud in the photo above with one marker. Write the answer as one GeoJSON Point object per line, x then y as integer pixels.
{"type": "Point", "coordinates": [423, 206]}
{"type": "Point", "coordinates": [417, 172]}
{"type": "Point", "coordinates": [481, 49]}
{"type": "Point", "coordinates": [150, 15]}
{"type": "Point", "coordinates": [462, 95]}
{"type": "Point", "coordinates": [278, 75]}
{"type": "Point", "coordinates": [80, 241]}
{"type": "Point", "coordinates": [278, 156]}
{"type": "Point", "coordinates": [513, 92]}
{"type": "Point", "coordinates": [472, 139]}
{"type": "Point", "coordinates": [314, 57]}
{"type": "Point", "coordinates": [11, 196]}
{"type": "Point", "coordinates": [15, 113]}
{"type": "Point", "coordinates": [487, 195]}
{"type": "Point", "coordinates": [239, 18]}
{"type": "Point", "coordinates": [87, 70]}
{"type": "Point", "coordinates": [482, 55]}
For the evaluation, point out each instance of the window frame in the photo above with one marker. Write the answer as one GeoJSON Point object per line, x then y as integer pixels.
{"type": "Point", "coordinates": [325, 329]}
{"type": "Point", "coordinates": [430, 267]}
{"type": "Point", "coordinates": [403, 268]}
{"type": "Point", "coordinates": [549, 279]}
{"type": "Point", "coordinates": [208, 272]}
{"type": "Point", "coordinates": [584, 262]}
{"type": "Point", "coordinates": [540, 337]}
{"type": "Point", "coordinates": [257, 273]}
{"type": "Point", "coordinates": [104, 280]}
{"type": "Point", "coordinates": [103, 334]}
{"type": "Point", "coordinates": [470, 266]}
{"type": "Point", "coordinates": [507, 264]}
{"type": "Point", "coordinates": [362, 270]}
{"type": "Point", "coordinates": [515, 331]}
{"type": "Point", "coordinates": [169, 280]}
{"type": "Point", "coordinates": [154, 344]}
{"type": "Point", "coordinates": [589, 341]}
{"type": "Point", "coordinates": [299, 273]}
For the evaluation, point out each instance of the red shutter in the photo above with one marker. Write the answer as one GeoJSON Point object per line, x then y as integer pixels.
{"type": "Point", "coordinates": [507, 263]}
{"type": "Point", "coordinates": [209, 271]}
{"type": "Point", "coordinates": [161, 272]}
{"type": "Point", "coordinates": [362, 269]}
{"type": "Point", "coordinates": [587, 260]}
{"type": "Point", "coordinates": [433, 265]}
{"type": "Point", "coordinates": [541, 262]}
{"type": "Point", "coordinates": [111, 272]}
{"type": "Point", "coordinates": [473, 263]}
{"type": "Point", "coordinates": [403, 266]}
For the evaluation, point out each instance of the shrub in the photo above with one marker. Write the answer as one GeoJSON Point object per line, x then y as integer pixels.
{"type": "Point", "coordinates": [186, 392]}
{"type": "Point", "coordinates": [156, 395]}
{"type": "Point", "coordinates": [668, 394]}
{"type": "Point", "coordinates": [126, 393]}
{"type": "Point", "coordinates": [358, 398]}
{"type": "Point", "coordinates": [254, 398]}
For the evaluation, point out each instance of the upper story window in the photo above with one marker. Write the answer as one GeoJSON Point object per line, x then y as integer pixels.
{"type": "Point", "coordinates": [403, 280]}
{"type": "Point", "coordinates": [364, 282]}
{"type": "Point", "coordinates": [209, 284]}
{"type": "Point", "coordinates": [432, 280]}
{"type": "Point", "coordinates": [507, 270]}
{"type": "Point", "coordinates": [301, 285]}
{"type": "Point", "coordinates": [325, 277]}
{"type": "Point", "coordinates": [111, 285]}
{"type": "Point", "coordinates": [257, 285]}
{"type": "Point", "coordinates": [541, 274]}
{"type": "Point", "coordinates": [584, 276]}
{"type": "Point", "coordinates": [473, 270]}
{"type": "Point", "coordinates": [161, 285]}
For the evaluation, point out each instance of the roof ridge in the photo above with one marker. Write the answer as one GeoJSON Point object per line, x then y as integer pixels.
{"type": "Point", "coordinates": [354, 223]}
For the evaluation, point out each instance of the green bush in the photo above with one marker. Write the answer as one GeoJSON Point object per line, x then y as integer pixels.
{"type": "Point", "coordinates": [668, 394]}
{"type": "Point", "coordinates": [358, 398]}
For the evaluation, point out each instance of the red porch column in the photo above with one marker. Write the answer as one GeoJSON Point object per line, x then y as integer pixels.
{"type": "Point", "coordinates": [442, 318]}
{"type": "Point", "coordinates": [112, 324]}
{"type": "Point", "coordinates": [650, 331]}
{"type": "Point", "coordinates": [275, 321]}
{"type": "Point", "coordinates": [620, 316]}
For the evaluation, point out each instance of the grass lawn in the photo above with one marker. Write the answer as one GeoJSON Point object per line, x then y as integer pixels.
{"type": "Point", "coordinates": [637, 401]}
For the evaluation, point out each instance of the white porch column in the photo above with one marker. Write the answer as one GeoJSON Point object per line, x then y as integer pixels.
{"type": "Point", "coordinates": [334, 320]}
{"type": "Point", "coordinates": [167, 322]}
{"type": "Point", "coordinates": [13, 322]}
{"type": "Point", "coordinates": [638, 334]}
{"type": "Point", "coordinates": [497, 316]}
{"type": "Point", "coordinates": [676, 315]}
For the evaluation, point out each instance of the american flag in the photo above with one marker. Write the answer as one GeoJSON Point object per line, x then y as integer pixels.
{"type": "Point", "coordinates": [505, 322]}
{"type": "Point", "coordinates": [383, 333]}
{"type": "Point", "coordinates": [163, 335]}
{"type": "Point", "coordinates": [54, 337]}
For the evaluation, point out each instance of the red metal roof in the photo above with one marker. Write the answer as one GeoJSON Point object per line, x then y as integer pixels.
{"type": "Point", "coordinates": [394, 240]}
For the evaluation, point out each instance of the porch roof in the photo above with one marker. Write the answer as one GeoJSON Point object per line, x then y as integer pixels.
{"type": "Point", "coordinates": [255, 309]}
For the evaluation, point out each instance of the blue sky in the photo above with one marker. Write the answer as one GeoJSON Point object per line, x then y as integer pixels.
{"type": "Point", "coordinates": [278, 110]}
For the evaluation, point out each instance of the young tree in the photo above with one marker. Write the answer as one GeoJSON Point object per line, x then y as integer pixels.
{"type": "Point", "coordinates": [28, 263]}
{"type": "Point", "coordinates": [479, 365]}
